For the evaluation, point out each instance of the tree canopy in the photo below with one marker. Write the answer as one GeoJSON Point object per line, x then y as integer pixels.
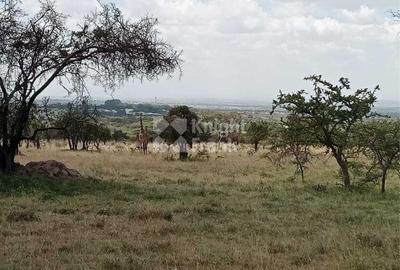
{"type": "Point", "coordinates": [40, 50]}
{"type": "Point", "coordinates": [329, 113]}
{"type": "Point", "coordinates": [290, 142]}
{"type": "Point", "coordinates": [379, 140]}
{"type": "Point", "coordinates": [257, 132]}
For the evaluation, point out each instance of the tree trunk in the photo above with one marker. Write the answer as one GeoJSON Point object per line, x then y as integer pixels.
{"type": "Point", "coordinates": [183, 152]}
{"type": "Point", "coordinates": [97, 145]}
{"type": "Point", "coordinates": [183, 156]}
{"type": "Point", "coordinates": [255, 146]}
{"type": "Point", "coordinates": [84, 145]}
{"type": "Point", "coordinates": [384, 173]}
{"type": "Point", "coordinates": [37, 141]}
{"type": "Point", "coordinates": [300, 166]}
{"type": "Point", "coordinates": [74, 142]}
{"type": "Point", "coordinates": [7, 156]}
{"type": "Point", "coordinates": [344, 169]}
{"type": "Point", "coordinates": [4, 161]}
{"type": "Point", "coordinates": [69, 144]}
{"type": "Point", "coordinates": [302, 173]}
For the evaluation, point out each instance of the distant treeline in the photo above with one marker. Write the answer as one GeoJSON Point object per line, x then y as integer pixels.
{"type": "Point", "coordinates": [117, 107]}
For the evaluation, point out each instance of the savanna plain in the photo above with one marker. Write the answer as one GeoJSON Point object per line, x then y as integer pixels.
{"type": "Point", "coordinates": [230, 211]}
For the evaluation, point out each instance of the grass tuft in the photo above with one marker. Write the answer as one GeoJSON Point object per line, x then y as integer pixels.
{"type": "Point", "coordinates": [22, 216]}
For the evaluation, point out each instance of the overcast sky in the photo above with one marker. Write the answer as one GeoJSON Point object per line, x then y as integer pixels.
{"type": "Point", "coordinates": [249, 49]}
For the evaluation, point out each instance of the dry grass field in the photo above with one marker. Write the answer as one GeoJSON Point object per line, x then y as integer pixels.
{"type": "Point", "coordinates": [234, 211]}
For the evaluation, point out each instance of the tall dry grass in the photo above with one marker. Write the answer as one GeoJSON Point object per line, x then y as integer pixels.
{"type": "Point", "coordinates": [234, 211]}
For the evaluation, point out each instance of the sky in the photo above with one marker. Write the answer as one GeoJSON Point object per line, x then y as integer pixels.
{"type": "Point", "coordinates": [250, 49]}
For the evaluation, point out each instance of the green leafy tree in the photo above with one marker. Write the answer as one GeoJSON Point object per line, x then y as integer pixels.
{"type": "Point", "coordinates": [380, 141]}
{"type": "Point", "coordinates": [94, 133]}
{"type": "Point", "coordinates": [103, 135]}
{"type": "Point", "coordinates": [186, 117]}
{"type": "Point", "coordinates": [328, 114]}
{"type": "Point", "coordinates": [257, 132]}
{"type": "Point", "coordinates": [290, 142]}
{"type": "Point", "coordinates": [40, 119]}
{"type": "Point", "coordinates": [118, 135]}
{"type": "Point", "coordinates": [184, 112]}
{"type": "Point", "coordinates": [82, 126]}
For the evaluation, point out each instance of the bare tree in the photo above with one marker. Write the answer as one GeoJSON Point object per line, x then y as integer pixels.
{"type": "Point", "coordinates": [40, 50]}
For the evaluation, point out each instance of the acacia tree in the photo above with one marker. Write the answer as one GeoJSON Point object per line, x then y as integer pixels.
{"type": "Point", "coordinates": [119, 135]}
{"type": "Point", "coordinates": [40, 50]}
{"type": "Point", "coordinates": [40, 119]}
{"type": "Point", "coordinates": [81, 126]}
{"type": "Point", "coordinates": [258, 131]}
{"type": "Point", "coordinates": [95, 133]}
{"type": "Point", "coordinates": [380, 141]}
{"type": "Point", "coordinates": [290, 142]}
{"type": "Point", "coordinates": [328, 114]}
{"type": "Point", "coordinates": [185, 122]}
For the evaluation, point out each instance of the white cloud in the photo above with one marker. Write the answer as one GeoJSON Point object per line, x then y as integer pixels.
{"type": "Point", "coordinates": [253, 47]}
{"type": "Point", "coordinates": [363, 15]}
